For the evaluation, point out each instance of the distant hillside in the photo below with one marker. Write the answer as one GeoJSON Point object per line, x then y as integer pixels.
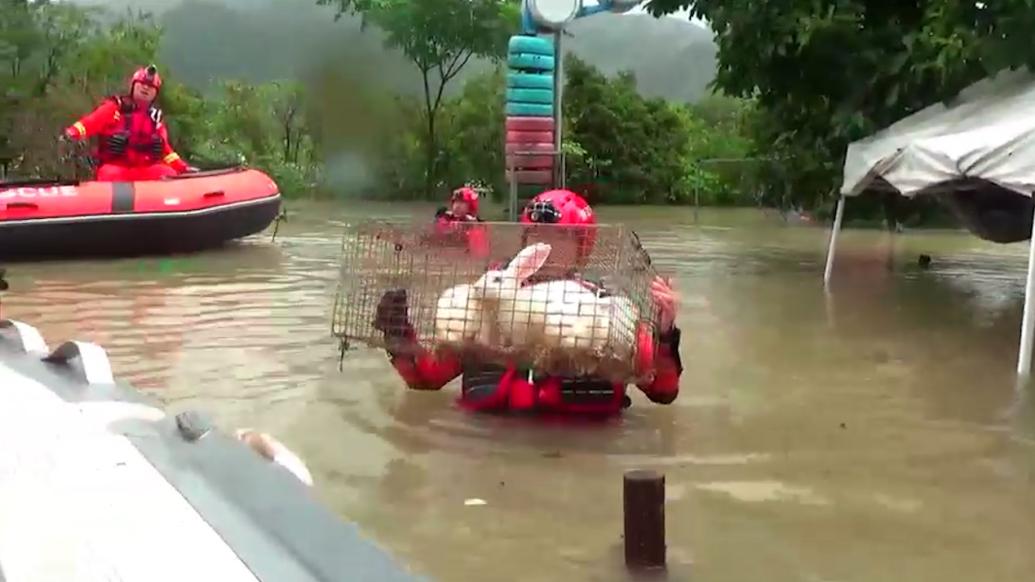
{"type": "Point", "coordinates": [671, 58]}
{"type": "Point", "coordinates": [261, 40]}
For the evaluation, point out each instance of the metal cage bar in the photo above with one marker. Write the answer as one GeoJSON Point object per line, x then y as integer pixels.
{"type": "Point", "coordinates": [583, 309]}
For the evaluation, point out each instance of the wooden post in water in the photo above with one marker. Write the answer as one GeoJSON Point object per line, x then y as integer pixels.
{"type": "Point", "coordinates": [644, 500]}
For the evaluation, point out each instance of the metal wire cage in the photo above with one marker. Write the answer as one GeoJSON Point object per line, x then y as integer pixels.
{"type": "Point", "coordinates": [560, 300]}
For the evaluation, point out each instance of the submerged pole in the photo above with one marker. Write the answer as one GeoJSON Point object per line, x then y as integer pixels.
{"type": "Point", "coordinates": [513, 194]}
{"type": "Point", "coordinates": [1028, 319]}
{"type": "Point", "coordinates": [644, 509]}
{"type": "Point", "coordinates": [838, 217]}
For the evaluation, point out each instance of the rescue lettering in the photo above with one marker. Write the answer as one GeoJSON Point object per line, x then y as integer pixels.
{"type": "Point", "coordinates": [44, 192]}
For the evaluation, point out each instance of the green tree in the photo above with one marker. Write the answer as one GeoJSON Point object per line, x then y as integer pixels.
{"type": "Point", "coordinates": [288, 103]}
{"type": "Point", "coordinates": [35, 39]}
{"type": "Point", "coordinates": [634, 148]}
{"type": "Point", "coordinates": [474, 133]}
{"type": "Point", "coordinates": [264, 126]}
{"type": "Point", "coordinates": [724, 166]}
{"type": "Point", "coordinates": [440, 37]}
{"type": "Point", "coordinates": [57, 61]}
{"type": "Point", "coordinates": [371, 138]}
{"type": "Point", "coordinates": [827, 72]}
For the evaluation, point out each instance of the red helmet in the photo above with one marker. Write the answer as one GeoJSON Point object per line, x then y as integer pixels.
{"type": "Point", "coordinates": [468, 195]}
{"type": "Point", "coordinates": [564, 207]}
{"type": "Point", "coordinates": [148, 76]}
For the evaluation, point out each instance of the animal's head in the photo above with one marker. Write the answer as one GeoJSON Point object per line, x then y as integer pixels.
{"type": "Point", "coordinates": [505, 282]}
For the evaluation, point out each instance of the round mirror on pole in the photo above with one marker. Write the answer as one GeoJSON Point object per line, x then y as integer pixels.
{"type": "Point", "coordinates": [553, 14]}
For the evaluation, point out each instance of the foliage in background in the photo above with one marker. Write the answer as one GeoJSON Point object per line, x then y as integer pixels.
{"type": "Point", "coordinates": [828, 72]}
{"type": "Point", "coordinates": [57, 62]}
{"type": "Point", "coordinates": [624, 148]}
{"type": "Point", "coordinates": [264, 126]}
{"type": "Point", "coordinates": [440, 37]}
{"type": "Point", "coordinates": [621, 147]}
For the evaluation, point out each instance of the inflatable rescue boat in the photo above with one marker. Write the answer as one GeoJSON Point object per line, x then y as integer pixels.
{"type": "Point", "coordinates": [97, 482]}
{"type": "Point", "coordinates": [183, 213]}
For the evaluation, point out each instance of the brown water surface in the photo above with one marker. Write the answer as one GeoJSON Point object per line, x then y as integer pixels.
{"type": "Point", "coordinates": [873, 434]}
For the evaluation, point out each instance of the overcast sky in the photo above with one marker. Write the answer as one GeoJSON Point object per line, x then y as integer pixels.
{"type": "Point", "coordinates": [682, 14]}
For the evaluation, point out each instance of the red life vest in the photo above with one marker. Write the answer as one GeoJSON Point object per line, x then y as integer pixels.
{"type": "Point", "coordinates": [452, 229]}
{"type": "Point", "coordinates": [498, 388]}
{"type": "Point", "coordinates": [132, 139]}
{"type": "Point", "coordinates": [445, 220]}
{"type": "Point", "coordinates": [487, 387]}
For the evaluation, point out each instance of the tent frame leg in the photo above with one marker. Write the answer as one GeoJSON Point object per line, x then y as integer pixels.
{"type": "Point", "coordinates": [1028, 319]}
{"type": "Point", "coordinates": [839, 216]}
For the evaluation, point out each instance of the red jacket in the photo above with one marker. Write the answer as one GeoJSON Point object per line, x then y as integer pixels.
{"type": "Point", "coordinates": [422, 370]}
{"type": "Point", "coordinates": [148, 138]}
{"type": "Point", "coordinates": [486, 387]}
{"type": "Point", "coordinates": [466, 230]}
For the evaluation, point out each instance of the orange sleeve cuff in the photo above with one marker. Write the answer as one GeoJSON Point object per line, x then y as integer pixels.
{"type": "Point", "coordinates": [664, 388]}
{"type": "Point", "coordinates": [173, 160]}
{"type": "Point", "coordinates": [95, 121]}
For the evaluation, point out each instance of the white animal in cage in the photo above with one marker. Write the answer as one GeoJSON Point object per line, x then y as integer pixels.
{"type": "Point", "coordinates": [459, 316]}
{"type": "Point", "coordinates": [561, 313]}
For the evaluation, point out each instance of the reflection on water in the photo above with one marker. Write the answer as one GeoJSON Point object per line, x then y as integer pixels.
{"type": "Point", "coordinates": [818, 437]}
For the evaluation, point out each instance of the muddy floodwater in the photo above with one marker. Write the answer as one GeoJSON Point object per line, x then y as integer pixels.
{"type": "Point", "coordinates": [873, 434]}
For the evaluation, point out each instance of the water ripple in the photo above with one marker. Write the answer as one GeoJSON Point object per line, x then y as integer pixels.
{"type": "Point", "coordinates": [805, 418]}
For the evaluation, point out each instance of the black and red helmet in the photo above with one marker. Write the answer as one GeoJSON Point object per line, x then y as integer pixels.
{"type": "Point", "coordinates": [564, 208]}
{"type": "Point", "coordinates": [468, 195]}
{"type": "Point", "coordinates": [146, 76]}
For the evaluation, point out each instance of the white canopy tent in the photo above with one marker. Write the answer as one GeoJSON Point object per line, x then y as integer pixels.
{"type": "Point", "coordinates": [986, 133]}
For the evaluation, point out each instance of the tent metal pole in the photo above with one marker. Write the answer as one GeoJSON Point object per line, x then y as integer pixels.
{"type": "Point", "coordinates": [1028, 320]}
{"type": "Point", "coordinates": [838, 217]}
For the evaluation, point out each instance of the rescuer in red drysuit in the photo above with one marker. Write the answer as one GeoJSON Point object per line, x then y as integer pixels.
{"type": "Point", "coordinates": [456, 221]}
{"type": "Point", "coordinates": [133, 143]}
{"type": "Point", "coordinates": [490, 387]}
{"type": "Point", "coordinates": [463, 207]}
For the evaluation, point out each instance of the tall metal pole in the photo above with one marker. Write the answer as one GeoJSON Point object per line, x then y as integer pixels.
{"type": "Point", "coordinates": [839, 216]}
{"type": "Point", "coordinates": [1028, 318]}
{"type": "Point", "coordinates": [558, 118]}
